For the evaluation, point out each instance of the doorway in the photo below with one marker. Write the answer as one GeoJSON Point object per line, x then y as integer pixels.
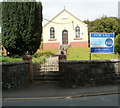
{"type": "Point", "coordinates": [64, 37]}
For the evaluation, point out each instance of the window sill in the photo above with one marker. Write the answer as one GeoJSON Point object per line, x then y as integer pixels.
{"type": "Point", "coordinates": [52, 39]}
{"type": "Point", "coordinates": [77, 38]}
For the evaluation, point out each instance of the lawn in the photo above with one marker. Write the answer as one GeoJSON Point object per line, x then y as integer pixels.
{"type": "Point", "coordinates": [84, 54]}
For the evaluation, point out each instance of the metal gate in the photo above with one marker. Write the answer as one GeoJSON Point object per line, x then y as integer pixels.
{"type": "Point", "coordinates": [47, 71]}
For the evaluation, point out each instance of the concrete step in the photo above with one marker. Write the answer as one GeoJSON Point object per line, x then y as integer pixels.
{"type": "Point", "coordinates": [44, 77]}
{"type": "Point", "coordinates": [47, 73]}
{"type": "Point", "coordinates": [64, 46]}
{"type": "Point", "coordinates": [46, 69]}
{"type": "Point", "coordinates": [48, 76]}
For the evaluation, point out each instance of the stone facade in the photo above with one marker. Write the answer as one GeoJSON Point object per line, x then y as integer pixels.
{"type": "Point", "coordinates": [15, 74]}
{"type": "Point", "coordinates": [94, 72]}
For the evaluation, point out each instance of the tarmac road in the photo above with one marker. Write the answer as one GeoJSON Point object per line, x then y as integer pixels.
{"type": "Point", "coordinates": [104, 100]}
{"type": "Point", "coordinates": [51, 94]}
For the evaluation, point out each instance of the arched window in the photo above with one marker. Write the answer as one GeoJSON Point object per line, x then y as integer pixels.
{"type": "Point", "coordinates": [77, 32]}
{"type": "Point", "coordinates": [52, 33]}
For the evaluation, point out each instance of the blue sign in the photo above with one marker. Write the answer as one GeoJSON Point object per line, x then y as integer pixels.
{"type": "Point", "coordinates": [102, 42]}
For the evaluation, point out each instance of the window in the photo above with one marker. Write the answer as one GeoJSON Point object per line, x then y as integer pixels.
{"type": "Point", "coordinates": [52, 33]}
{"type": "Point", "coordinates": [77, 32]}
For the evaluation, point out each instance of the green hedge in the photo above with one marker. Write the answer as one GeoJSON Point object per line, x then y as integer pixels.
{"type": "Point", "coordinates": [9, 59]}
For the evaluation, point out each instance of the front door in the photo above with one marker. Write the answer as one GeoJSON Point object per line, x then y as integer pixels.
{"type": "Point", "coordinates": [64, 37]}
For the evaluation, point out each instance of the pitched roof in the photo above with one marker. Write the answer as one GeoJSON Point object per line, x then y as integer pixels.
{"type": "Point", "coordinates": [60, 13]}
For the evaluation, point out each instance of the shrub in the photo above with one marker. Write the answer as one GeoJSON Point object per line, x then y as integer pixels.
{"type": "Point", "coordinates": [43, 53]}
{"type": "Point", "coordinates": [39, 60]}
{"type": "Point", "coordinates": [117, 44]}
{"type": "Point", "coordinates": [10, 59]}
{"type": "Point", "coordinates": [39, 54]}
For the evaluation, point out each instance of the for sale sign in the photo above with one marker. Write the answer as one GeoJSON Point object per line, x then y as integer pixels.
{"type": "Point", "coordinates": [102, 42]}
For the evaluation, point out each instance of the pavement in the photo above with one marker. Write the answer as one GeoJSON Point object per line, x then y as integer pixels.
{"type": "Point", "coordinates": [48, 90]}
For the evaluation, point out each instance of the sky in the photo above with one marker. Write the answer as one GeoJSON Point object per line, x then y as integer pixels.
{"type": "Point", "coordinates": [82, 9]}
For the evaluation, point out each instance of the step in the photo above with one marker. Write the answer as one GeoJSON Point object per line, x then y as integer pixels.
{"type": "Point", "coordinates": [46, 73]}
{"type": "Point", "coordinates": [49, 78]}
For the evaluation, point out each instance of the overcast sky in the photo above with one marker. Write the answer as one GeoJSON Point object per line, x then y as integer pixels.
{"type": "Point", "coordinates": [83, 9]}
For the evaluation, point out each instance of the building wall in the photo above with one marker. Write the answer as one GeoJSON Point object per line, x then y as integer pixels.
{"type": "Point", "coordinates": [48, 46]}
{"type": "Point", "coordinates": [81, 44]}
{"type": "Point", "coordinates": [69, 24]}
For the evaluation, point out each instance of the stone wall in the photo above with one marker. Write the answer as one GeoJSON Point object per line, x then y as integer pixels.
{"type": "Point", "coordinates": [15, 74]}
{"type": "Point", "coordinates": [94, 72]}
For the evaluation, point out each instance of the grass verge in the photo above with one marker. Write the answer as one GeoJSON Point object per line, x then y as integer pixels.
{"type": "Point", "coordinates": [84, 54]}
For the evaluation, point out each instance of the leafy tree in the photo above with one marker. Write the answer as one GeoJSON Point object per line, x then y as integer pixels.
{"type": "Point", "coordinates": [117, 44]}
{"type": "Point", "coordinates": [107, 24]}
{"type": "Point", "coordinates": [21, 26]}
{"type": "Point", "coordinates": [103, 24]}
{"type": "Point", "coordinates": [118, 25]}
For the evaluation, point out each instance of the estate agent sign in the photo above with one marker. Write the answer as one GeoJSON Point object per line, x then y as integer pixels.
{"type": "Point", "coordinates": [102, 42]}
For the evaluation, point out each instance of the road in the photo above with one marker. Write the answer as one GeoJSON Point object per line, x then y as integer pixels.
{"type": "Point", "coordinates": [104, 100]}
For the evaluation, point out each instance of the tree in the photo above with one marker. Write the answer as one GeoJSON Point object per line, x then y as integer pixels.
{"type": "Point", "coordinates": [0, 13]}
{"type": "Point", "coordinates": [21, 26]}
{"type": "Point", "coordinates": [107, 24]}
{"type": "Point", "coordinates": [103, 24]}
{"type": "Point", "coordinates": [117, 44]}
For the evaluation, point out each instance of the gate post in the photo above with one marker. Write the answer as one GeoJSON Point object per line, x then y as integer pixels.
{"type": "Point", "coordinates": [62, 57]}
{"type": "Point", "coordinates": [29, 59]}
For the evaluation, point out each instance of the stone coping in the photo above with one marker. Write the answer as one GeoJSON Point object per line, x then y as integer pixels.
{"type": "Point", "coordinates": [90, 61]}
{"type": "Point", "coordinates": [14, 63]}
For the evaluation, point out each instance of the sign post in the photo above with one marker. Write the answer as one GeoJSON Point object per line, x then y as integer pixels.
{"type": "Point", "coordinates": [90, 56]}
{"type": "Point", "coordinates": [101, 43]}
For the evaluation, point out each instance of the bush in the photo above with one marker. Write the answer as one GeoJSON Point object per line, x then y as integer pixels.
{"type": "Point", "coordinates": [9, 59]}
{"type": "Point", "coordinates": [39, 60]}
{"type": "Point", "coordinates": [43, 53]}
{"type": "Point", "coordinates": [39, 54]}
{"type": "Point", "coordinates": [15, 56]}
{"type": "Point", "coordinates": [117, 44]}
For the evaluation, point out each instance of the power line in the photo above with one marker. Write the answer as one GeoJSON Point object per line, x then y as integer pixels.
{"type": "Point", "coordinates": [57, 22]}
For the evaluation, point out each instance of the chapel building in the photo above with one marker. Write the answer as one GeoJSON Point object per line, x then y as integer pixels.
{"type": "Point", "coordinates": [65, 29]}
